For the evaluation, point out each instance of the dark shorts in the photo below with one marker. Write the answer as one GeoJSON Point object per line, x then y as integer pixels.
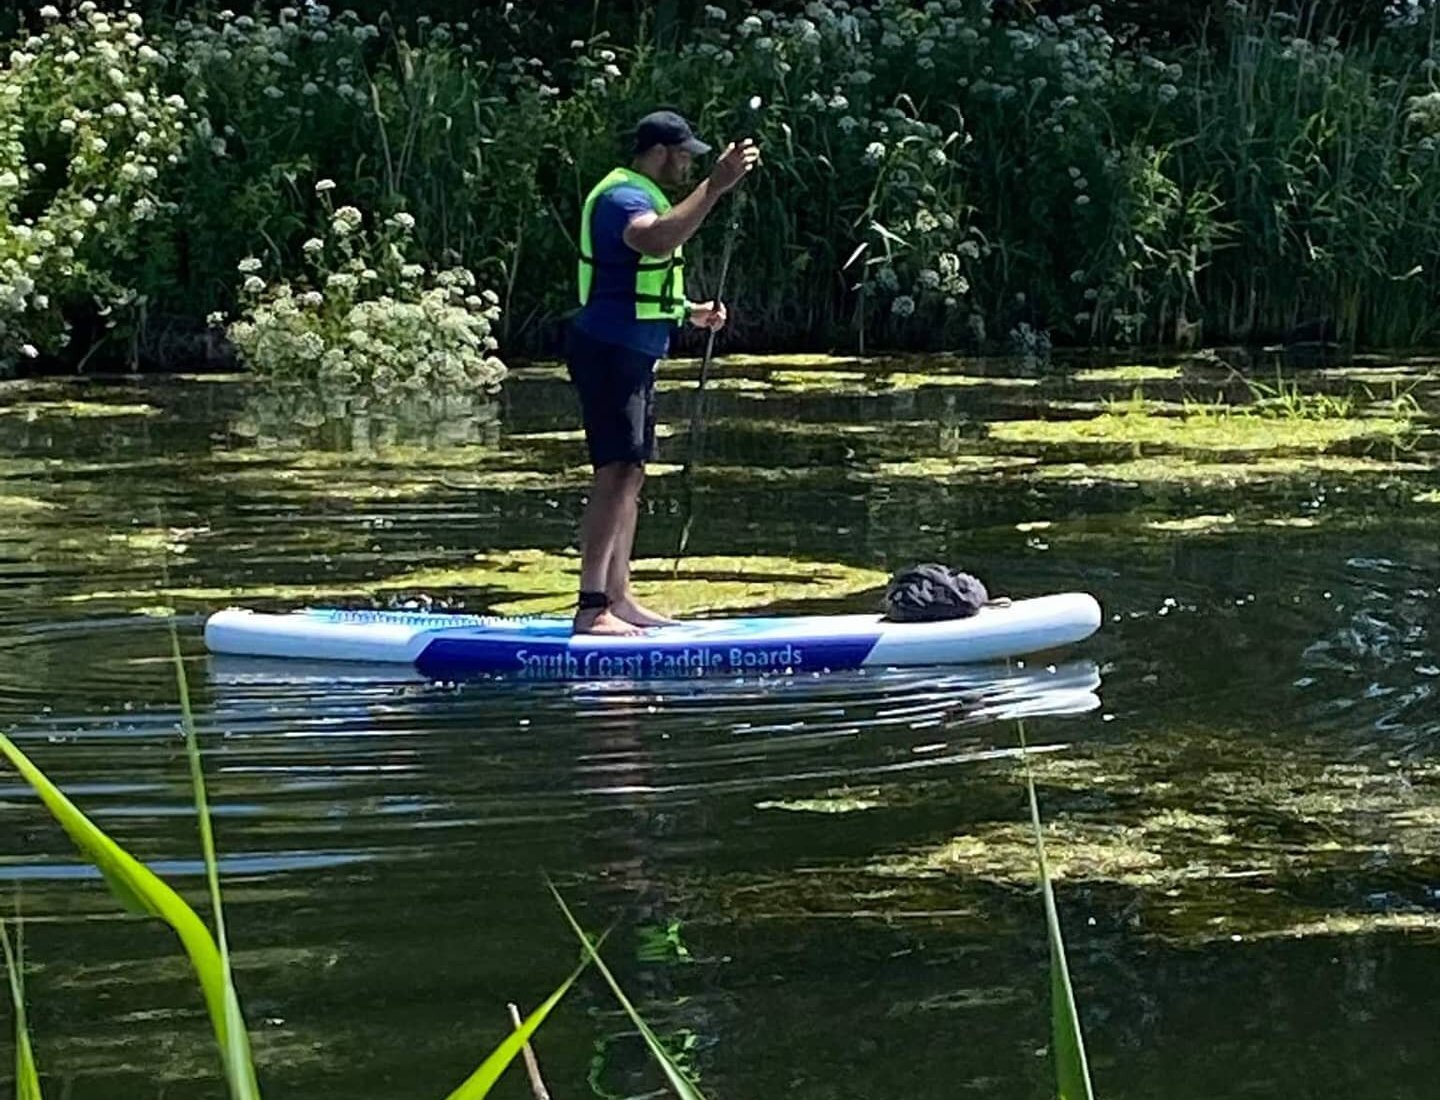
{"type": "Point", "coordinates": [617, 399]}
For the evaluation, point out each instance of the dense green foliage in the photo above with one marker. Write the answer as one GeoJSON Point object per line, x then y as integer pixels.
{"type": "Point", "coordinates": [954, 173]}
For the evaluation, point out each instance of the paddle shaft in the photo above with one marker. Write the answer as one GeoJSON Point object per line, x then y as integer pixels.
{"type": "Point", "coordinates": [697, 414]}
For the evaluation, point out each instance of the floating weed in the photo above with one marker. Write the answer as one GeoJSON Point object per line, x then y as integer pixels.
{"type": "Point", "coordinates": [1383, 376]}
{"type": "Point", "coordinates": [75, 410]}
{"type": "Point", "coordinates": [533, 582]}
{"type": "Point", "coordinates": [1342, 924]}
{"type": "Point", "coordinates": [806, 360]}
{"type": "Point", "coordinates": [575, 435]}
{"type": "Point", "coordinates": [1231, 433]}
{"type": "Point", "coordinates": [731, 477]}
{"type": "Point", "coordinates": [1133, 373]}
{"type": "Point", "coordinates": [909, 380]}
{"type": "Point", "coordinates": [1286, 400]}
{"type": "Point", "coordinates": [403, 457]}
{"type": "Point", "coordinates": [806, 378]}
{"type": "Point", "coordinates": [1192, 524]}
{"type": "Point", "coordinates": [1176, 469]}
{"type": "Point", "coordinates": [842, 801]}
{"type": "Point", "coordinates": [735, 383]}
{"type": "Point", "coordinates": [1004, 853]}
{"type": "Point", "coordinates": [949, 467]}
{"type": "Point", "coordinates": [16, 504]}
{"type": "Point", "coordinates": [812, 428]}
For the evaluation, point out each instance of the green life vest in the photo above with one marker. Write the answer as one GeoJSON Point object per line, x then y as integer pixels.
{"type": "Point", "coordinates": [659, 280]}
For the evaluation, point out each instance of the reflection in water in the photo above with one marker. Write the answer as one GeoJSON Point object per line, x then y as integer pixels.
{"type": "Point", "coordinates": [302, 418]}
{"type": "Point", "coordinates": [683, 737]}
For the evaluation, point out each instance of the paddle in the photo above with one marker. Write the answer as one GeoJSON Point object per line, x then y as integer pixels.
{"type": "Point", "coordinates": [697, 412]}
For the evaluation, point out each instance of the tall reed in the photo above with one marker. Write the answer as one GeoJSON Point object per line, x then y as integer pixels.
{"type": "Point", "coordinates": [1067, 1042]}
{"type": "Point", "coordinates": [27, 1075]}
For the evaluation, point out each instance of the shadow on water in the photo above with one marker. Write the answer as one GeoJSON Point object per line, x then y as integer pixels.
{"type": "Point", "coordinates": [1237, 773]}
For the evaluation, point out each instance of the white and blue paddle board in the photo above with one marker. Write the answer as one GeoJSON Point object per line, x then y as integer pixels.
{"type": "Point", "coordinates": [453, 647]}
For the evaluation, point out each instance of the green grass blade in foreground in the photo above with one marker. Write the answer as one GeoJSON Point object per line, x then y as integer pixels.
{"type": "Point", "coordinates": [27, 1077]}
{"type": "Point", "coordinates": [235, 1043]}
{"type": "Point", "coordinates": [1072, 1070]}
{"type": "Point", "coordinates": [683, 1086]}
{"type": "Point", "coordinates": [141, 891]}
{"type": "Point", "coordinates": [479, 1083]}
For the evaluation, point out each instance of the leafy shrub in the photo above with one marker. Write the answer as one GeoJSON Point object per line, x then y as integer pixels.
{"type": "Point", "coordinates": [937, 174]}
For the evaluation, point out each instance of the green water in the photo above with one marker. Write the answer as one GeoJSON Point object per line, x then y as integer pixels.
{"type": "Point", "coordinates": [1240, 778]}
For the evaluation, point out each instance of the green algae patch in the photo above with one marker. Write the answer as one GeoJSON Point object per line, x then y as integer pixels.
{"type": "Point", "coordinates": [909, 380]}
{"type": "Point", "coordinates": [1222, 431]}
{"type": "Point", "coordinates": [1384, 376]}
{"type": "Point", "coordinates": [735, 383]}
{"type": "Point", "coordinates": [1005, 854]}
{"type": "Point", "coordinates": [75, 410]}
{"type": "Point", "coordinates": [830, 802]}
{"type": "Point", "coordinates": [945, 467]}
{"type": "Point", "coordinates": [520, 480]}
{"type": "Point", "coordinates": [1344, 924]}
{"type": "Point", "coordinates": [813, 429]}
{"type": "Point", "coordinates": [1174, 469]}
{"type": "Point", "coordinates": [1192, 524]}
{"type": "Point", "coordinates": [574, 435]}
{"type": "Point", "coordinates": [218, 377]}
{"type": "Point", "coordinates": [534, 582]}
{"type": "Point", "coordinates": [404, 458]}
{"type": "Point", "coordinates": [17, 505]}
{"type": "Point", "coordinates": [803, 360]}
{"type": "Point", "coordinates": [1134, 373]}
{"type": "Point", "coordinates": [836, 382]}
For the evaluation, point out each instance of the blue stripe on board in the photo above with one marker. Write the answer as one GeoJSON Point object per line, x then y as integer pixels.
{"type": "Point", "coordinates": [581, 658]}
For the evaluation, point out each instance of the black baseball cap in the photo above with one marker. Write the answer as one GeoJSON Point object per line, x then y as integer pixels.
{"type": "Point", "coordinates": [667, 128]}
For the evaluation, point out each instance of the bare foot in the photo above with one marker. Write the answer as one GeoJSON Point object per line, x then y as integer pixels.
{"type": "Point", "coordinates": [603, 621]}
{"type": "Point", "coordinates": [637, 615]}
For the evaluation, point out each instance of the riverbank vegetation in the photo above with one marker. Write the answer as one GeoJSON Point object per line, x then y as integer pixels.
{"type": "Point", "coordinates": [958, 174]}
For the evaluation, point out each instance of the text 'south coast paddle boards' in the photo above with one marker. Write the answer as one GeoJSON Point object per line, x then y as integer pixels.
{"type": "Point", "coordinates": [456, 646]}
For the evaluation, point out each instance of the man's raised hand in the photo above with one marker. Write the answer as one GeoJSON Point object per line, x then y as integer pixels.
{"type": "Point", "coordinates": [734, 164]}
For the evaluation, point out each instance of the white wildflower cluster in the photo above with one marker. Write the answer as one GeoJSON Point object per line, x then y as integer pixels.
{"type": "Point", "coordinates": [879, 81]}
{"type": "Point", "coordinates": [299, 64]}
{"type": "Point", "coordinates": [1422, 114]}
{"type": "Point", "coordinates": [90, 88]}
{"type": "Point", "coordinates": [369, 318]}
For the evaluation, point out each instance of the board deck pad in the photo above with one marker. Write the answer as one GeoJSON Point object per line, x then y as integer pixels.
{"type": "Point", "coordinates": [456, 646]}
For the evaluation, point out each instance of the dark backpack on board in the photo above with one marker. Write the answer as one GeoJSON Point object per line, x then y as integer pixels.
{"type": "Point", "coordinates": [931, 592]}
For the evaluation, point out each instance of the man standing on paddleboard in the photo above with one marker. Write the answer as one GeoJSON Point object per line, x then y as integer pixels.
{"type": "Point", "coordinates": [632, 295]}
